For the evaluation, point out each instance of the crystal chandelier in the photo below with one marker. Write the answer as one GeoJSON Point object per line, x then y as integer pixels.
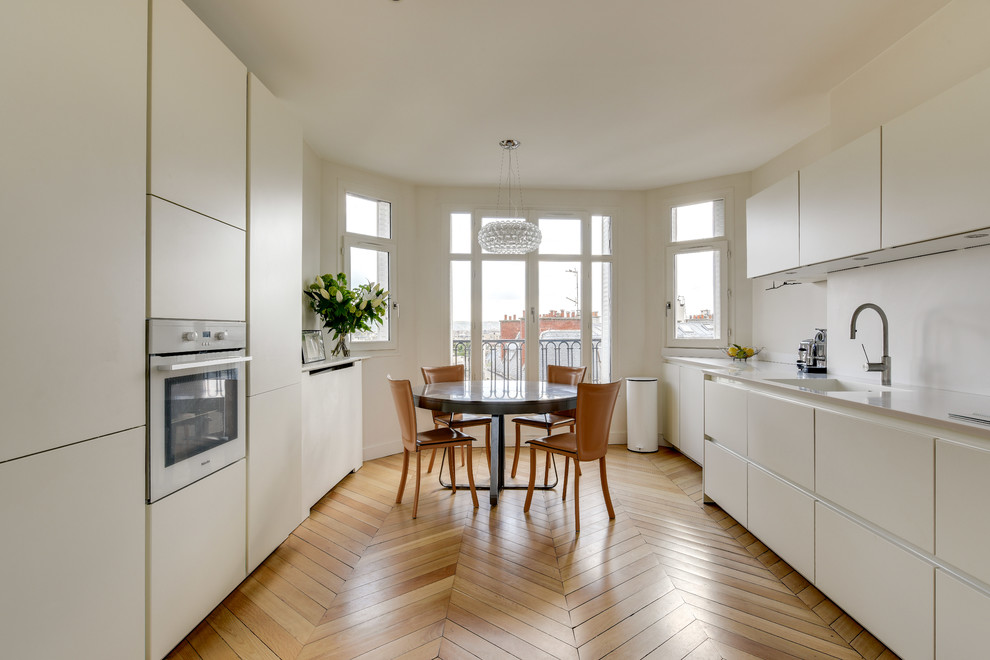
{"type": "Point", "coordinates": [509, 236]}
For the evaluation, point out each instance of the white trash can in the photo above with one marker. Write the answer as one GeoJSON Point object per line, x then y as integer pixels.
{"type": "Point", "coordinates": [641, 414]}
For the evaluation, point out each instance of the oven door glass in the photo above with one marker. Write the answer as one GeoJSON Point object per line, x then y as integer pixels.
{"type": "Point", "coordinates": [201, 413]}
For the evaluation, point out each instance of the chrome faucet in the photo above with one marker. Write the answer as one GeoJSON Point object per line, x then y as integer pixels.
{"type": "Point", "coordinates": [883, 365]}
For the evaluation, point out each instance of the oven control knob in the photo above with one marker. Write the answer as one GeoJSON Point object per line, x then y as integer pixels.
{"type": "Point", "coordinates": [222, 334]}
{"type": "Point", "coordinates": [190, 336]}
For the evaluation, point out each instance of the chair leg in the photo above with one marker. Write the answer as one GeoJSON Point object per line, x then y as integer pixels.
{"type": "Point", "coordinates": [405, 472]}
{"type": "Point", "coordinates": [577, 500]}
{"type": "Point", "coordinates": [463, 453]}
{"type": "Point", "coordinates": [419, 465]}
{"type": "Point", "coordinates": [532, 478]}
{"type": "Point", "coordinates": [567, 466]}
{"type": "Point", "coordinates": [433, 455]}
{"type": "Point", "coordinates": [453, 479]}
{"type": "Point", "coordinates": [515, 457]}
{"type": "Point", "coordinates": [488, 443]}
{"type": "Point", "coordinates": [470, 471]}
{"type": "Point", "coordinates": [608, 499]}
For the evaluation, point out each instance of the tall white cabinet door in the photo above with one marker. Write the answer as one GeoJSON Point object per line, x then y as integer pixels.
{"type": "Point", "coordinates": [692, 414]}
{"type": "Point", "coordinates": [772, 242]}
{"type": "Point", "coordinates": [332, 429]}
{"type": "Point", "coordinates": [274, 243]}
{"type": "Point", "coordinates": [196, 265]}
{"type": "Point", "coordinates": [670, 383]}
{"type": "Point", "coordinates": [962, 527]}
{"type": "Point", "coordinates": [73, 551]}
{"type": "Point", "coordinates": [885, 588]}
{"type": "Point", "coordinates": [274, 460]}
{"type": "Point", "coordinates": [196, 554]}
{"type": "Point", "coordinates": [72, 178]}
{"type": "Point", "coordinates": [198, 115]}
{"type": "Point", "coordinates": [840, 202]}
{"type": "Point", "coordinates": [936, 162]}
{"type": "Point", "coordinates": [881, 473]}
{"type": "Point", "coordinates": [725, 415]}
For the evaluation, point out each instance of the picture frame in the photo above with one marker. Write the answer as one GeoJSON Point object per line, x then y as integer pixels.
{"type": "Point", "coordinates": [312, 346]}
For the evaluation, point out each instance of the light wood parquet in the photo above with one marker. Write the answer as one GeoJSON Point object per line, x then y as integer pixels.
{"type": "Point", "coordinates": [670, 577]}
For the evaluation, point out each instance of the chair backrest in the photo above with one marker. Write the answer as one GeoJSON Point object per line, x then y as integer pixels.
{"type": "Point", "coordinates": [595, 404]}
{"type": "Point", "coordinates": [450, 373]}
{"type": "Point", "coordinates": [404, 408]}
{"type": "Point", "coordinates": [447, 374]}
{"type": "Point", "coordinates": [565, 376]}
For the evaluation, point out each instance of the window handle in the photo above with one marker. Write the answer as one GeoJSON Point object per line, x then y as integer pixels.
{"type": "Point", "coordinates": [532, 314]}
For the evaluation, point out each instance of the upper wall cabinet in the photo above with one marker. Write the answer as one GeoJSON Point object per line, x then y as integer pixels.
{"type": "Point", "coordinates": [198, 116]}
{"type": "Point", "coordinates": [72, 184]}
{"type": "Point", "coordinates": [840, 202]}
{"type": "Point", "coordinates": [772, 228]}
{"type": "Point", "coordinates": [274, 243]}
{"type": "Point", "coordinates": [936, 164]}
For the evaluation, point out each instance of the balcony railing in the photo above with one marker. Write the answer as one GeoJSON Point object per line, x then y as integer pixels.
{"type": "Point", "coordinates": [505, 359]}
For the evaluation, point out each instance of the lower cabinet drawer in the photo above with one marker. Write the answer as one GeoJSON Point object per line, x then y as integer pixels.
{"type": "Point", "coordinates": [725, 481]}
{"type": "Point", "coordinates": [961, 612]}
{"type": "Point", "coordinates": [784, 519]}
{"type": "Point", "coordinates": [885, 588]}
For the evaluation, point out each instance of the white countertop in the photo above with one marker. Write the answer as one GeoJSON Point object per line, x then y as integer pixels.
{"type": "Point", "coordinates": [913, 404]}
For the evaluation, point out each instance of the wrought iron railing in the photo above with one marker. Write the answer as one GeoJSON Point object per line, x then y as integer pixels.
{"type": "Point", "coordinates": [505, 359]}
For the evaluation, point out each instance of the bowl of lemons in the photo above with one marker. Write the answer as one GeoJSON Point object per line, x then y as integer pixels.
{"type": "Point", "coordinates": [738, 352]}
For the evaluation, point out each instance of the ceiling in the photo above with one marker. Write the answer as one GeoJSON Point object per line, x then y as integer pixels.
{"type": "Point", "coordinates": [618, 94]}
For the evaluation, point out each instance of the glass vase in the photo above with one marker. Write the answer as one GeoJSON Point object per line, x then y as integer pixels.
{"type": "Point", "coordinates": [340, 348]}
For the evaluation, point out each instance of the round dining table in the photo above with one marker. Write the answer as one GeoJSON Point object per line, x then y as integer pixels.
{"type": "Point", "coordinates": [496, 398]}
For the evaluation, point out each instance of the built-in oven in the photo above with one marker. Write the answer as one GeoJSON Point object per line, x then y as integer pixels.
{"type": "Point", "coordinates": [196, 401]}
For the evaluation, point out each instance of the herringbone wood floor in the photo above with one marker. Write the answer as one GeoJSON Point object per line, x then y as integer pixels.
{"type": "Point", "coordinates": [668, 578]}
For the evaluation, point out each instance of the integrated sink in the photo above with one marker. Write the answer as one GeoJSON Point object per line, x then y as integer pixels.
{"type": "Point", "coordinates": [829, 385]}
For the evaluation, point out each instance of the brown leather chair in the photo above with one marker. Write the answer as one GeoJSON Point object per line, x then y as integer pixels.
{"type": "Point", "coordinates": [595, 405]}
{"type": "Point", "coordinates": [454, 373]}
{"type": "Point", "coordinates": [550, 421]}
{"type": "Point", "coordinates": [414, 442]}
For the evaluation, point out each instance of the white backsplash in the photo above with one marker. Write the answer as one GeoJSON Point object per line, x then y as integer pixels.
{"type": "Point", "coordinates": [938, 308]}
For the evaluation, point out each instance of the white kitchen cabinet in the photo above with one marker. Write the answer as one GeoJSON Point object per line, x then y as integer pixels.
{"type": "Point", "coordinates": [772, 236]}
{"type": "Point", "coordinates": [840, 202]}
{"type": "Point", "coordinates": [782, 437]}
{"type": "Point", "coordinates": [274, 462]}
{"type": "Point", "coordinates": [885, 588]}
{"type": "Point", "coordinates": [783, 518]}
{"type": "Point", "coordinates": [961, 615]}
{"type": "Point", "coordinates": [198, 116]}
{"type": "Point", "coordinates": [725, 415]}
{"type": "Point", "coordinates": [670, 382]}
{"type": "Point", "coordinates": [196, 554]}
{"type": "Point", "coordinates": [196, 265]}
{"type": "Point", "coordinates": [884, 474]}
{"type": "Point", "coordinates": [725, 478]}
{"type": "Point", "coordinates": [332, 428]}
{"type": "Point", "coordinates": [274, 243]}
{"type": "Point", "coordinates": [691, 416]}
{"type": "Point", "coordinates": [936, 162]}
{"type": "Point", "coordinates": [73, 550]}
{"type": "Point", "coordinates": [962, 490]}
{"type": "Point", "coordinates": [72, 183]}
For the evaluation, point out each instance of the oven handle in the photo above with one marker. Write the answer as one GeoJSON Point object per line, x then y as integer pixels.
{"type": "Point", "coordinates": [182, 366]}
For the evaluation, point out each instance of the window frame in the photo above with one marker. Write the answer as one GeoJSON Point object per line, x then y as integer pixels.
{"type": "Point", "coordinates": [476, 258]}
{"type": "Point", "coordinates": [722, 244]}
{"type": "Point", "coordinates": [350, 240]}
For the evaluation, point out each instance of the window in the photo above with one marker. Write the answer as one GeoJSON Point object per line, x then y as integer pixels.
{"type": "Point", "coordinates": [697, 275]}
{"type": "Point", "coordinates": [368, 255]}
{"type": "Point", "coordinates": [521, 313]}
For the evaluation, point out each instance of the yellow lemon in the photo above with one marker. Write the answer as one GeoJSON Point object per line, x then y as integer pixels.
{"type": "Point", "coordinates": [750, 352]}
{"type": "Point", "coordinates": [733, 351]}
